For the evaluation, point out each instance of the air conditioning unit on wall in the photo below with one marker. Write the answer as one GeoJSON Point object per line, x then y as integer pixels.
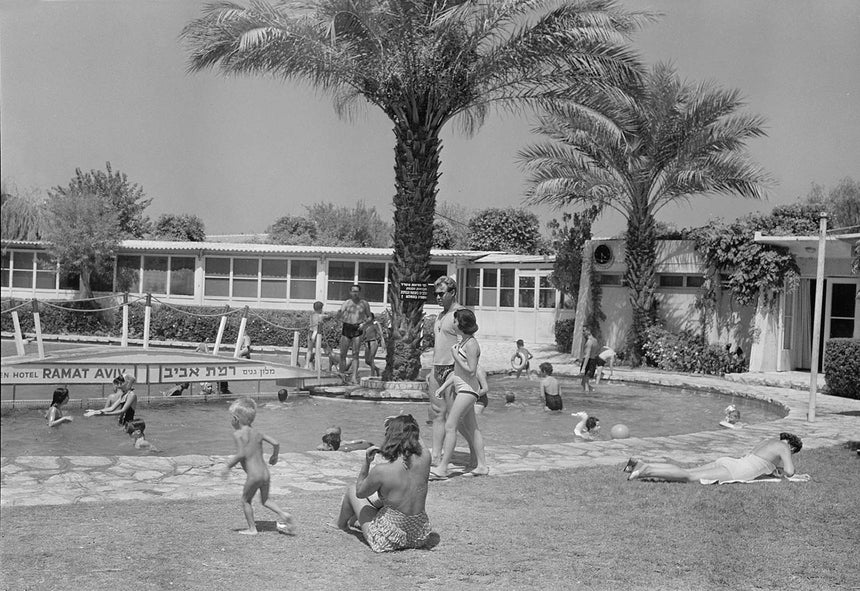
{"type": "Point", "coordinates": [603, 255]}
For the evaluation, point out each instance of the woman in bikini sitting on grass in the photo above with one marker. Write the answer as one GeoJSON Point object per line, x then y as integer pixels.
{"type": "Point", "coordinates": [387, 501]}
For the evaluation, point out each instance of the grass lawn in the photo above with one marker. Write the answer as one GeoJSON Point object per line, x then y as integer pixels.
{"type": "Point", "coordinates": [573, 529]}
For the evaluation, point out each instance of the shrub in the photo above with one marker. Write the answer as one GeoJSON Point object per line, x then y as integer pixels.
{"type": "Point", "coordinates": [688, 352]}
{"type": "Point", "coordinates": [564, 334]}
{"type": "Point", "coordinates": [428, 337]}
{"type": "Point", "coordinates": [63, 317]}
{"type": "Point", "coordinates": [842, 367]}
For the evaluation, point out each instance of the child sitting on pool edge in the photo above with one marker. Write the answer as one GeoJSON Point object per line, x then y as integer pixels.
{"type": "Point", "coordinates": [550, 388]}
{"type": "Point", "coordinates": [249, 452]}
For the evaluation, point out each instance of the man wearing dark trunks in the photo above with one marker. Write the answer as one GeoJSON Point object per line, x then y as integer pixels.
{"type": "Point", "coordinates": [353, 313]}
{"type": "Point", "coordinates": [445, 336]}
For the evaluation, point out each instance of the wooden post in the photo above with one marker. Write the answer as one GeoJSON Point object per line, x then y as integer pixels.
{"type": "Point", "coordinates": [147, 315]}
{"type": "Point", "coordinates": [220, 335]}
{"type": "Point", "coordinates": [816, 319]}
{"type": "Point", "coordinates": [241, 336]}
{"type": "Point", "coordinates": [19, 338]}
{"type": "Point", "coordinates": [38, 322]}
{"type": "Point", "coordinates": [294, 353]}
{"type": "Point", "coordinates": [124, 339]}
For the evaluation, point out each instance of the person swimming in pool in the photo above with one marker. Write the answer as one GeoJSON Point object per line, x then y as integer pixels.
{"type": "Point", "coordinates": [331, 441]}
{"type": "Point", "coordinates": [588, 428]}
{"type": "Point", "coordinates": [124, 408]}
{"type": "Point", "coordinates": [550, 389]}
{"type": "Point", "coordinates": [771, 456]}
{"type": "Point", "coordinates": [135, 430]}
{"type": "Point", "coordinates": [54, 416]}
{"type": "Point", "coordinates": [732, 419]}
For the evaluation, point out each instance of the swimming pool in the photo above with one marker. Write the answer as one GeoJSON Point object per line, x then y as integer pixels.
{"type": "Point", "coordinates": [298, 424]}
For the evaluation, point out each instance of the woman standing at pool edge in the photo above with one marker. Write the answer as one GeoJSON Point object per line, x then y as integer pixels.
{"type": "Point", "coordinates": [54, 416]}
{"type": "Point", "coordinates": [464, 379]}
{"type": "Point", "coordinates": [388, 501]}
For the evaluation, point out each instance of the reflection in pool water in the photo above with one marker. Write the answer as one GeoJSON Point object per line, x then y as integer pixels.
{"type": "Point", "coordinates": [204, 428]}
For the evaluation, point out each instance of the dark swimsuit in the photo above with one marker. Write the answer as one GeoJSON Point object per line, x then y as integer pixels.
{"type": "Point", "coordinates": [127, 416]}
{"type": "Point", "coordinates": [483, 400]}
{"type": "Point", "coordinates": [351, 331]}
{"type": "Point", "coordinates": [553, 402]}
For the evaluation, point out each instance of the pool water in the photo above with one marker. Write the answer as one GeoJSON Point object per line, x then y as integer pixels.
{"type": "Point", "coordinates": [298, 424]}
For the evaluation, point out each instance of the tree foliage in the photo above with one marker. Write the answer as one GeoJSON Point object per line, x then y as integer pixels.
{"type": "Point", "coordinates": [184, 227]}
{"type": "Point", "coordinates": [126, 199]}
{"type": "Point", "coordinates": [841, 202]}
{"type": "Point", "coordinates": [510, 229]}
{"type": "Point", "coordinates": [292, 229]}
{"type": "Point", "coordinates": [454, 217]}
{"type": "Point", "coordinates": [83, 233]}
{"type": "Point", "coordinates": [567, 239]}
{"type": "Point", "coordinates": [664, 142]}
{"type": "Point", "coordinates": [22, 215]}
{"type": "Point", "coordinates": [422, 64]}
{"type": "Point", "coordinates": [751, 268]}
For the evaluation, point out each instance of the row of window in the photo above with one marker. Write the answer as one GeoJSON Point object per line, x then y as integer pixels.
{"type": "Point", "coordinates": [663, 280]}
{"type": "Point", "coordinates": [509, 288]}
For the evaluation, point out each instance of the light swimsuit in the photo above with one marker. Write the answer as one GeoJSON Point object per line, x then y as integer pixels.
{"type": "Point", "coordinates": [392, 530]}
{"type": "Point", "coordinates": [748, 467]}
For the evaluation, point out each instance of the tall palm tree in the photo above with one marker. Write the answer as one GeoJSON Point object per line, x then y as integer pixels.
{"type": "Point", "coordinates": [663, 143]}
{"type": "Point", "coordinates": [422, 62]}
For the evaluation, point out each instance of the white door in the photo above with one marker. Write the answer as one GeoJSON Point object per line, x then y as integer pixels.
{"type": "Point", "coordinates": [536, 306]}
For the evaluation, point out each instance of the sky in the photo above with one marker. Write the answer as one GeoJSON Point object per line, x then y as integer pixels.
{"type": "Point", "coordinates": [83, 82]}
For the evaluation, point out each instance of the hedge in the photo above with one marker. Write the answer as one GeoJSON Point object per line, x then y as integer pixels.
{"type": "Point", "coordinates": [172, 323]}
{"type": "Point", "coordinates": [688, 352]}
{"type": "Point", "coordinates": [842, 367]}
{"type": "Point", "coordinates": [564, 335]}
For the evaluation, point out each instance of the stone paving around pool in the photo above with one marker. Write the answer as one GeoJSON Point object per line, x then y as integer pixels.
{"type": "Point", "coordinates": [48, 480]}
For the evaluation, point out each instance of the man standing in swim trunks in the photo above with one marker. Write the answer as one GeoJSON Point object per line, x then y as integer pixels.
{"type": "Point", "coordinates": [353, 313]}
{"type": "Point", "coordinates": [445, 336]}
{"type": "Point", "coordinates": [590, 357]}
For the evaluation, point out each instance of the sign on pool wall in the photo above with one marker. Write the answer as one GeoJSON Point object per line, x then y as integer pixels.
{"type": "Point", "coordinates": [78, 373]}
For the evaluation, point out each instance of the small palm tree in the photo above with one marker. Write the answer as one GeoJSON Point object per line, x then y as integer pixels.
{"type": "Point", "coordinates": [663, 143]}
{"type": "Point", "coordinates": [422, 63]}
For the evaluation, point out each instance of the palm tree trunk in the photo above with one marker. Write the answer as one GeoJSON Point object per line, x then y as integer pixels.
{"type": "Point", "coordinates": [416, 170]}
{"type": "Point", "coordinates": [640, 257]}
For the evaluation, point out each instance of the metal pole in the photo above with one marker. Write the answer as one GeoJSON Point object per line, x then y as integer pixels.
{"type": "Point", "coordinates": [147, 316]}
{"type": "Point", "coordinates": [124, 340]}
{"type": "Point", "coordinates": [816, 320]}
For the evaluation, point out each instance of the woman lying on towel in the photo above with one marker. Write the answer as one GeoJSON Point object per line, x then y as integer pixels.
{"type": "Point", "coordinates": [771, 456]}
{"type": "Point", "coordinates": [387, 500]}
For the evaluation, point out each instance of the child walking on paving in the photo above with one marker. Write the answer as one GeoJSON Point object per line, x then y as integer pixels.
{"type": "Point", "coordinates": [249, 452]}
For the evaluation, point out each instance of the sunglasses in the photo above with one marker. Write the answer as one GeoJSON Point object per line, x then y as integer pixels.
{"type": "Point", "coordinates": [440, 294]}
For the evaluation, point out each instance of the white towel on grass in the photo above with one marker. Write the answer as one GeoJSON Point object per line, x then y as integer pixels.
{"type": "Point", "coordinates": [766, 478]}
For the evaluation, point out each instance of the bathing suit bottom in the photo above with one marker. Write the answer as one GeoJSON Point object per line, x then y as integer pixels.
{"type": "Point", "coordinates": [748, 467]}
{"type": "Point", "coordinates": [553, 402]}
{"type": "Point", "coordinates": [591, 367]}
{"type": "Point", "coordinates": [126, 417]}
{"type": "Point", "coordinates": [392, 530]}
{"type": "Point", "coordinates": [350, 331]}
{"type": "Point", "coordinates": [483, 400]}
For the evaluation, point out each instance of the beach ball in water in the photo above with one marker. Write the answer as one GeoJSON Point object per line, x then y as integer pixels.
{"type": "Point", "coordinates": [283, 394]}
{"type": "Point", "coordinates": [620, 431]}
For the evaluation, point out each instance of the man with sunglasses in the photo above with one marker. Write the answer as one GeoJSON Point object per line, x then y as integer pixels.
{"type": "Point", "coordinates": [445, 336]}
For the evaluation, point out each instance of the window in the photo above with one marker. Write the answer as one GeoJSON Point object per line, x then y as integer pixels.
{"type": "Point", "coordinates": [695, 280]}
{"type": "Point", "coordinates": [22, 269]}
{"type": "Point", "coordinates": [527, 291]}
{"type": "Point", "coordinates": [490, 289]}
{"type": "Point", "coordinates": [506, 290]}
{"type": "Point", "coordinates": [182, 276]}
{"type": "Point", "coordinates": [671, 281]}
{"type": "Point", "coordinates": [46, 272]}
{"type": "Point", "coordinates": [371, 278]}
{"type": "Point", "coordinates": [608, 279]}
{"type": "Point", "coordinates": [69, 280]}
{"type": "Point", "coordinates": [217, 283]}
{"type": "Point", "coordinates": [154, 275]}
{"type": "Point", "coordinates": [245, 277]}
{"type": "Point", "coordinates": [788, 319]}
{"type": "Point", "coordinates": [5, 269]}
{"type": "Point", "coordinates": [546, 297]}
{"type": "Point", "coordinates": [128, 273]}
{"type": "Point", "coordinates": [303, 280]}
{"type": "Point", "coordinates": [273, 281]}
{"type": "Point", "coordinates": [341, 275]}
{"type": "Point", "coordinates": [473, 277]}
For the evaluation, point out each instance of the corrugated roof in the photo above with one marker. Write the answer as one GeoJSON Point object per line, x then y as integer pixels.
{"type": "Point", "coordinates": [238, 247]}
{"type": "Point", "coordinates": [520, 259]}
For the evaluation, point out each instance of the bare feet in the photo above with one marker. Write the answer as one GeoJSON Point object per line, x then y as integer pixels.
{"type": "Point", "coordinates": [288, 528]}
{"type": "Point", "coordinates": [437, 475]}
{"type": "Point", "coordinates": [631, 465]}
{"type": "Point", "coordinates": [482, 471]}
{"type": "Point", "coordinates": [248, 532]}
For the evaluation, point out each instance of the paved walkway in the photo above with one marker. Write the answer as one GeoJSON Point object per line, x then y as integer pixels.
{"type": "Point", "coordinates": [63, 480]}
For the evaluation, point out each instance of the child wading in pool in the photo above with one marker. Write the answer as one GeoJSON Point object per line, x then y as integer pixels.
{"type": "Point", "coordinates": [54, 416]}
{"type": "Point", "coordinates": [520, 359]}
{"type": "Point", "coordinates": [249, 453]}
{"type": "Point", "coordinates": [550, 388]}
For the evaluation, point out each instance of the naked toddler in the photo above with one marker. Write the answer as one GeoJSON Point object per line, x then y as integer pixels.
{"type": "Point", "coordinates": [249, 452]}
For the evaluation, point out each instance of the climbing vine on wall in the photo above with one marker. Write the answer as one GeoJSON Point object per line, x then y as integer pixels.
{"type": "Point", "coordinates": [749, 268]}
